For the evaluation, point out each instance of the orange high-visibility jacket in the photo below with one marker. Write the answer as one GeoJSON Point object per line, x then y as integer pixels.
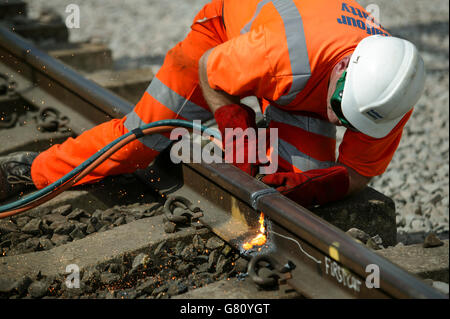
{"type": "Point", "coordinates": [283, 51]}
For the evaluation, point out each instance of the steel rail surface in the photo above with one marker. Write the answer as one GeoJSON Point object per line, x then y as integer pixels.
{"type": "Point", "coordinates": [289, 215]}
{"type": "Point", "coordinates": [298, 220]}
{"type": "Point", "coordinates": [395, 281]}
{"type": "Point", "coordinates": [105, 100]}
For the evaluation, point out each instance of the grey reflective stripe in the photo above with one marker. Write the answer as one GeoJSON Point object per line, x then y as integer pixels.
{"type": "Point", "coordinates": [260, 5]}
{"type": "Point", "coordinates": [296, 42]}
{"type": "Point", "coordinates": [298, 53]}
{"type": "Point", "coordinates": [306, 123]}
{"type": "Point", "coordinates": [178, 104]}
{"type": "Point", "coordinates": [298, 159]}
{"type": "Point", "coordinates": [156, 142]}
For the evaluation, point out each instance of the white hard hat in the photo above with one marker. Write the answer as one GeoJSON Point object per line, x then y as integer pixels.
{"type": "Point", "coordinates": [385, 79]}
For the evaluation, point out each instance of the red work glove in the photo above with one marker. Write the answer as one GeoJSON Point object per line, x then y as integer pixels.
{"type": "Point", "coordinates": [238, 116]}
{"type": "Point", "coordinates": [314, 187]}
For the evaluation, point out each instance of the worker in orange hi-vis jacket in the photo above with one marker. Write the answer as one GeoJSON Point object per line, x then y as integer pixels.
{"type": "Point", "coordinates": [313, 65]}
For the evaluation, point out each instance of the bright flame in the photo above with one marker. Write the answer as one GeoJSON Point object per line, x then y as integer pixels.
{"type": "Point", "coordinates": [260, 239]}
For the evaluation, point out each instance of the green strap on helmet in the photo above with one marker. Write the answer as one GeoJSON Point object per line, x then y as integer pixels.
{"type": "Point", "coordinates": [336, 101]}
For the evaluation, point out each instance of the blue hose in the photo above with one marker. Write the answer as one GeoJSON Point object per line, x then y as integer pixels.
{"type": "Point", "coordinates": [30, 198]}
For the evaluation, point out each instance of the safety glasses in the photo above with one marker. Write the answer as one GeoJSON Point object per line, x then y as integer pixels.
{"type": "Point", "coordinates": [336, 102]}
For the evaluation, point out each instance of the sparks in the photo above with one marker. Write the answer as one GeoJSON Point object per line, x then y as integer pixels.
{"type": "Point", "coordinates": [260, 239]}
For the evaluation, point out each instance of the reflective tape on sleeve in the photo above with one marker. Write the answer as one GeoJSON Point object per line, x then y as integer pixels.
{"type": "Point", "coordinates": [177, 103]}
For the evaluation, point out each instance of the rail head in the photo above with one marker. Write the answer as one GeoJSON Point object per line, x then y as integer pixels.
{"type": "Point", "coordinates": [105, 100]}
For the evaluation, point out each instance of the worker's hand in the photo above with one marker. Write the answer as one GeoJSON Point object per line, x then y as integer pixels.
{"type": "Point", "coordinates": [238, 116]}
{"type": "Point", "coordinates": [314, 187]}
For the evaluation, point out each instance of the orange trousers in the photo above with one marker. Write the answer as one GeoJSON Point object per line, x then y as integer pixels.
{"type": "Point", "coordinates": [175, 93]}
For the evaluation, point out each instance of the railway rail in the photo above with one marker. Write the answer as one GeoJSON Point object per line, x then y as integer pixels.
{"type": "Point", "coordinates": [302, 251]}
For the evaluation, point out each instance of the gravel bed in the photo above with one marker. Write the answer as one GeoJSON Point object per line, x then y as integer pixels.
{"type": "Point", "coordinates": [141, 31]}
{"type": "Point", "coordinates": [47, 229]}
{"type": "Point", "coordinates": [172, 268]}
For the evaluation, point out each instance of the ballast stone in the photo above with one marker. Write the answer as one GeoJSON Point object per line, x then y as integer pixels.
{"type": "Point", "coordinates": [423, 262]}
{"type": "Point", "coordinates": [368, 210]}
